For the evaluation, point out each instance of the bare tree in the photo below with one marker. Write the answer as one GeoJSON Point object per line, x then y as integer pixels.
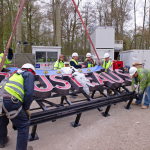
{"type": "Point", "coordinates": [1, 25]}
{"type": "Point", "coordinates": [58, 23]}
{"type": "Point", "coordinates": [143, 26]}
{"type": "Point", "coordinates": [135, 22]}
{"type": "Point", "coordinates": [18, 31]}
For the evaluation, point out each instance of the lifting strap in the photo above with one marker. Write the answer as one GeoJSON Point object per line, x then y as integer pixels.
{"type": "Point", "coordinates": [3, 83]}
{"type": "Point", "coordinates": [12, 114]}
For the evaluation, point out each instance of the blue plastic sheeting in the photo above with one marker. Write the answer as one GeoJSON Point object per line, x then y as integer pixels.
{"type": "Point", "coordinates": [50, 72]}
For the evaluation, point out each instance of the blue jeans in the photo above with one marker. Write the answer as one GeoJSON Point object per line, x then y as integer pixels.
{"type": "Point", "coordinates": [21, 122]}
{"type": "Point", "coordinates": [147, 97]}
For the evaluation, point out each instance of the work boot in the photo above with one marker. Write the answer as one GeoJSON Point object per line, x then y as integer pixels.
{"type": "Point", "coordinates": [6, 141]}
{"type": "Point", "coordinates": [144, 107]}
{"type": "Point", "coordinates": [29, 148]}
{"type": "Point", "coordinates": [2, 145]}
{"type": "Point", "coordinates": [134, 103]}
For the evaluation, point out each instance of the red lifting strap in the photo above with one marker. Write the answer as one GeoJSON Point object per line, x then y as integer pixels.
{"type": "Point", "coordinates": [12, 34]}
{"type": "Point", "coordinates": [86, 31]}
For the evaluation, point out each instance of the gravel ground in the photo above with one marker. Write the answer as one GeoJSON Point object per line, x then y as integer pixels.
{"type": "Point", "coordinates": [122, 130]}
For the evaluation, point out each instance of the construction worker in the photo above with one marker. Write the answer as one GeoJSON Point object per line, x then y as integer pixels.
{"type": "Point", "coordinates": [141, 76]}
{"type": "Point", "coordinates": [59, 63]}
{"type": "Point", "coordinates": [52, 60]}
{"type": "Point", "coordinates": [89, 62]}
{"type": "Point", "coordinates": [8, 58]}
{"type": "Point", "coordinates": [17, 91]}
{"type": "Point", "coordinates": [41, 60]}
{"type": "Point", "coordinates": [48, 59]}
{"type": "Point", "coordinates": [73, 62]}
{"type": "Point", "coordinates": [106, 63]}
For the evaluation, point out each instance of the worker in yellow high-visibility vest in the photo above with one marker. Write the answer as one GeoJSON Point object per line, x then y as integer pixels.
{"type": "Point", "coordinates": [59, 63]}
{"type": "Point", "coordinates": [8, 58]}
{"type": "Point", "coordinates": [106, 63]}
{"type": "Point", "coordinates": [74, 61]}
{"type": "Point", "coordinates": [16, 98]}
{"type": "Point", "coordinates": [89, 62]}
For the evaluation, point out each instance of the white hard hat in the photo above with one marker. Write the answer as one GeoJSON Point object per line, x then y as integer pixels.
{"type": "Point", "coordinates": [28, 66]}
{"type": "Point", "coordinates": [75, 54]}
{"type": "Point", "coordinates": [106, 55]}
{"type": "Point", "coordinates": [88, 55]}
{"type": "Point", "coordinates": [132, 71]}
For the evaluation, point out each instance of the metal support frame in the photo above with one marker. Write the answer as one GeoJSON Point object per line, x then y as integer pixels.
{"type": "Point", "coordinates": [90, 99]}
{"type": "Point", "coordinates": [40, 103]}
{"type": "Point", "coordinates": [129, 103]}
{"type": "Point", "coordinates": [62, 101]}
{"type": "Point", "coordinates": [33, 136]}
{"type": "Point", "coordinates": [67, 108]}
{"type": "Point", "coordinates": [67, 100]}
{"type": "Point", "coordinates": [105, 114]}
{"type": "Point", "coordinates": [93, 93]}
{"type": "Point", "coordinates": [76, 122]}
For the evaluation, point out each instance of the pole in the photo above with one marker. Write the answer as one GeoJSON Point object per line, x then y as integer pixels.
{"type": "Point", "coordinates": [12, 34]}
{"type": "Point", "coordinates": [86, 31]}
{"type": "Point", "coordinates": [58, 24]}
{"type": "Point", "coordinates": [135, 22]}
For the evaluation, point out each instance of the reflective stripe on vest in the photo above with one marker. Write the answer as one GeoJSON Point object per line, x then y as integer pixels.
{"type": "Point", "coordinates": [145, 77]}
{"type": "Point", "coordinates": [74, 62]}
{"type": "Point", "coordinates": [15, 86]}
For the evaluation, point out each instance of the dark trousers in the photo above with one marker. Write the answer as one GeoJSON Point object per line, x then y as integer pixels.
{"type": "Point", "coordinates": [21, 122]}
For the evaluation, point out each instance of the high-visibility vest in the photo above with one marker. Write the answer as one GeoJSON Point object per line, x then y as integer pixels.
{"type": "Point", "coordinates": [106, 66]}
{"type": "Point", "coordinates": [6, 60]}
{"type": "Point", "coordinates": [74, 62]}
{"type": "Point", "coordinates": [41, 60]}
{"type": "Point", "coordinates": [90, 64]}
{"type": "Point", "coordinates": [15, 86]}
{"type": "Point", "coordinates": [48, 59]}
{"type": "Point", "coordinates": [143, 79]}
{"type": "Point", "coordinates": [58, 65]}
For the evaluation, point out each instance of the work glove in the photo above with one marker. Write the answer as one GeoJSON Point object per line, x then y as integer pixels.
{"type": "Point", "coordinates": [139, 96]}
{"type": "Point", "coordinates": [28, 113]}
{"type": "Point", "coordinates": [133, 92]}
{"type": "Point", "coordinates": [10, 51]}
